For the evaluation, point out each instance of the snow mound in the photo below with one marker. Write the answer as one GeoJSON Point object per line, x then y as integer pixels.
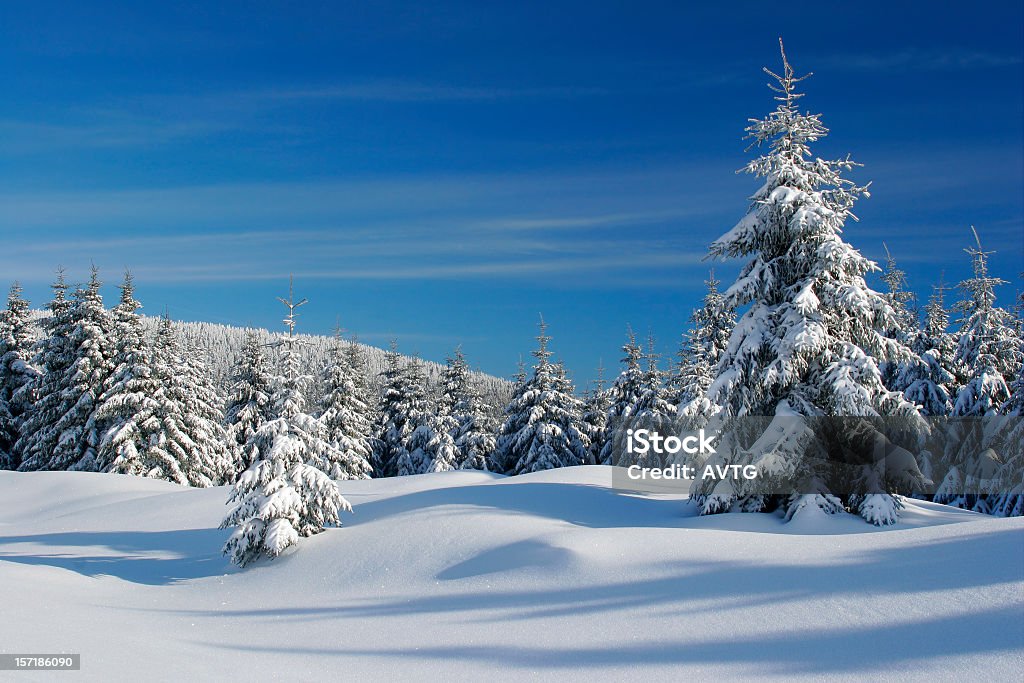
{"type": "Point", "coordinates": [473, 576]}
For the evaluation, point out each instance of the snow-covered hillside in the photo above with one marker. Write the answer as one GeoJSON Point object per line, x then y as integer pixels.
{"type": "Point", "coordinates": [472, 576]}
{"type": "Point", "coordinates": [220, 346]}
{"type": "Point", "coordinates": [222, 343]}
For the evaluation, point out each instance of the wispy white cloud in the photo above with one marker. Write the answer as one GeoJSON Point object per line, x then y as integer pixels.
{"type": "Point", "coordinates": [561, 228]}
{"type": "Point", "coordinates": [19, 137]}
{"type": "Point", "coordinates": [406, 91]}
{"type": "Point", "coordinates": [437, 270]}
{"type": "Point", "coordinates": [440, 228]}
{"type": "Point", "coordinates": [594, 221]}
{"type": "Point", "coordinates": [915, 59]}
{"type": "Point", "coordinates": [150, 120]}
{"type": "Point", "coordinates": [492, 201]}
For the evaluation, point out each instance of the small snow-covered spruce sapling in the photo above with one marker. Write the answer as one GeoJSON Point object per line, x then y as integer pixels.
{"type": "Point", "coordinates": [803, 359]}
{"type": "Point", "coordinates": [281, 498]}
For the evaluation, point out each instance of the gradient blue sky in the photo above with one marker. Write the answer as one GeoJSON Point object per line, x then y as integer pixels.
{"type": "Point", "coordinates": [441, 172]}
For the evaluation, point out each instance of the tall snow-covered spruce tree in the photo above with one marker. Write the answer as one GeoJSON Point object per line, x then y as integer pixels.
{"type": "Point", "coordinates": [429, 446]}
{"type": "Point", "coordinates": [544, 426]}
{"type": "Point", "coordinates": [392, 428]}
{"type": "Point", "coordinates": [281, 497]}
{"type": "Point", "coordinates": [250, 404]}
{"type": "Point", "coordinates": [16, 372]}
{"type": "Point", "coordinates": [51, 360]}
{"type": "Point", "coordinates": [470, 427]}
{"type": "Point", "coordinates": [988, 349]}
{"type": "Point", "coordinates": [702, 350]}
{"type": "Point", "coordinates": [595, 414]}
{"type": "Point", "coordinates": [653, 410]}
{"type": "Point", "coordinates": [989, 354]}
{"type": "Point", "coordinates": [809, 343]}
{"type": "Point", "coordinates": [181, 430]}
{"type": "Point", "coordinates": [900, 298]}
{"type": "Point", "coordinates": [929, 379]}
{"type": "Point", "coordinates": [346, 416]}
{"type": "Point", "coordinates": [129, 406]}
{"type": "Point", "coordinates": [77, 360]}
{"type": "Point", "coordinates": [399, 398]}
{"type": "Point", "coordinates": [624, 398]}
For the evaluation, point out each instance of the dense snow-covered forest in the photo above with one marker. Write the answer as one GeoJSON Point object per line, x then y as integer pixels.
{"type": "Point", "coordinates": [800, 334]}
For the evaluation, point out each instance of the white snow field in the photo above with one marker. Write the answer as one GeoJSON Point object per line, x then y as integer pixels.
{"type": "Point", "coordinates": [467, 576]}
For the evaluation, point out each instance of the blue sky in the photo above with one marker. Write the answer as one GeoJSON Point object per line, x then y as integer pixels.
{"type": "Point", "coordinates": [442, 172]}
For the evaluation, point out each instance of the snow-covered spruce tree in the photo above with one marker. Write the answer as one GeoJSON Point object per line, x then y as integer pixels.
{"type": "Point", "coordinates": [356, 360]}
{"type": "Point", "coordinates": [471, 428]}
{"type": "Point", "coordinates": [989, 353]}
{"type": "Point", "coordinates": [281, 497]}
{"type": "Point", "coordinates": [900, 299]}
{"type": "Point", "coordinates": [595, 414]}
{"type": "Point", "coordinates": [625, 394]}
{"type": "Point", "coordinates": [497, 460]}
{"type": "Point", "coordinates": [704, 347]}
{"type": "Point", "coordinates": [16, 372]}
{"type": "Point", "coordinates": [544, 426]}
{"type": "Point", "coordinates": [988, 345]}
{"type": "Point", "coordinates": [181, 431]}
{"type": "Point", "coordinates": [126, 416]}
{"type": "Point", "coordinates": [904, 321]}
{"type": "Point", "coordinates": [694, 372]}
{"type": "Point", "coordinates": [399, 399]}
{"type": "Point", "coordinates": [345, 416]}
{"type": "Point", "coordinates": [51, 359]}
{"type": "Point", "coordinates": [571, 408]}
{"type": "Point", "coordinates": [204, 415]}
{"type": "Point", "coordinates": [807, 345]}
{"type": "Point", "coordinates": [61, 432]}
{"type": "Point", "coordinates": [250, 404]}
{"type": "Point", "coordinates": [653, 410]}
{"type": "Point", "coordinates": [429, 446]}
{"type": "Point", "coordinates": [1007, 499]}
{"type": "Point", "coordinates": [520, 378]}
{"type": "Point", "coordinates": [929, 379]}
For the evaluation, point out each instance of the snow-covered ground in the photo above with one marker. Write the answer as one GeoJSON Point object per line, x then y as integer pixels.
{"type": "Point", "coordinates": [471, 576]}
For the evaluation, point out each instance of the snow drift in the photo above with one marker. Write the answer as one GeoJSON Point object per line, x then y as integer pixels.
{"type": "Point", "coordinates": [471, 576]}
